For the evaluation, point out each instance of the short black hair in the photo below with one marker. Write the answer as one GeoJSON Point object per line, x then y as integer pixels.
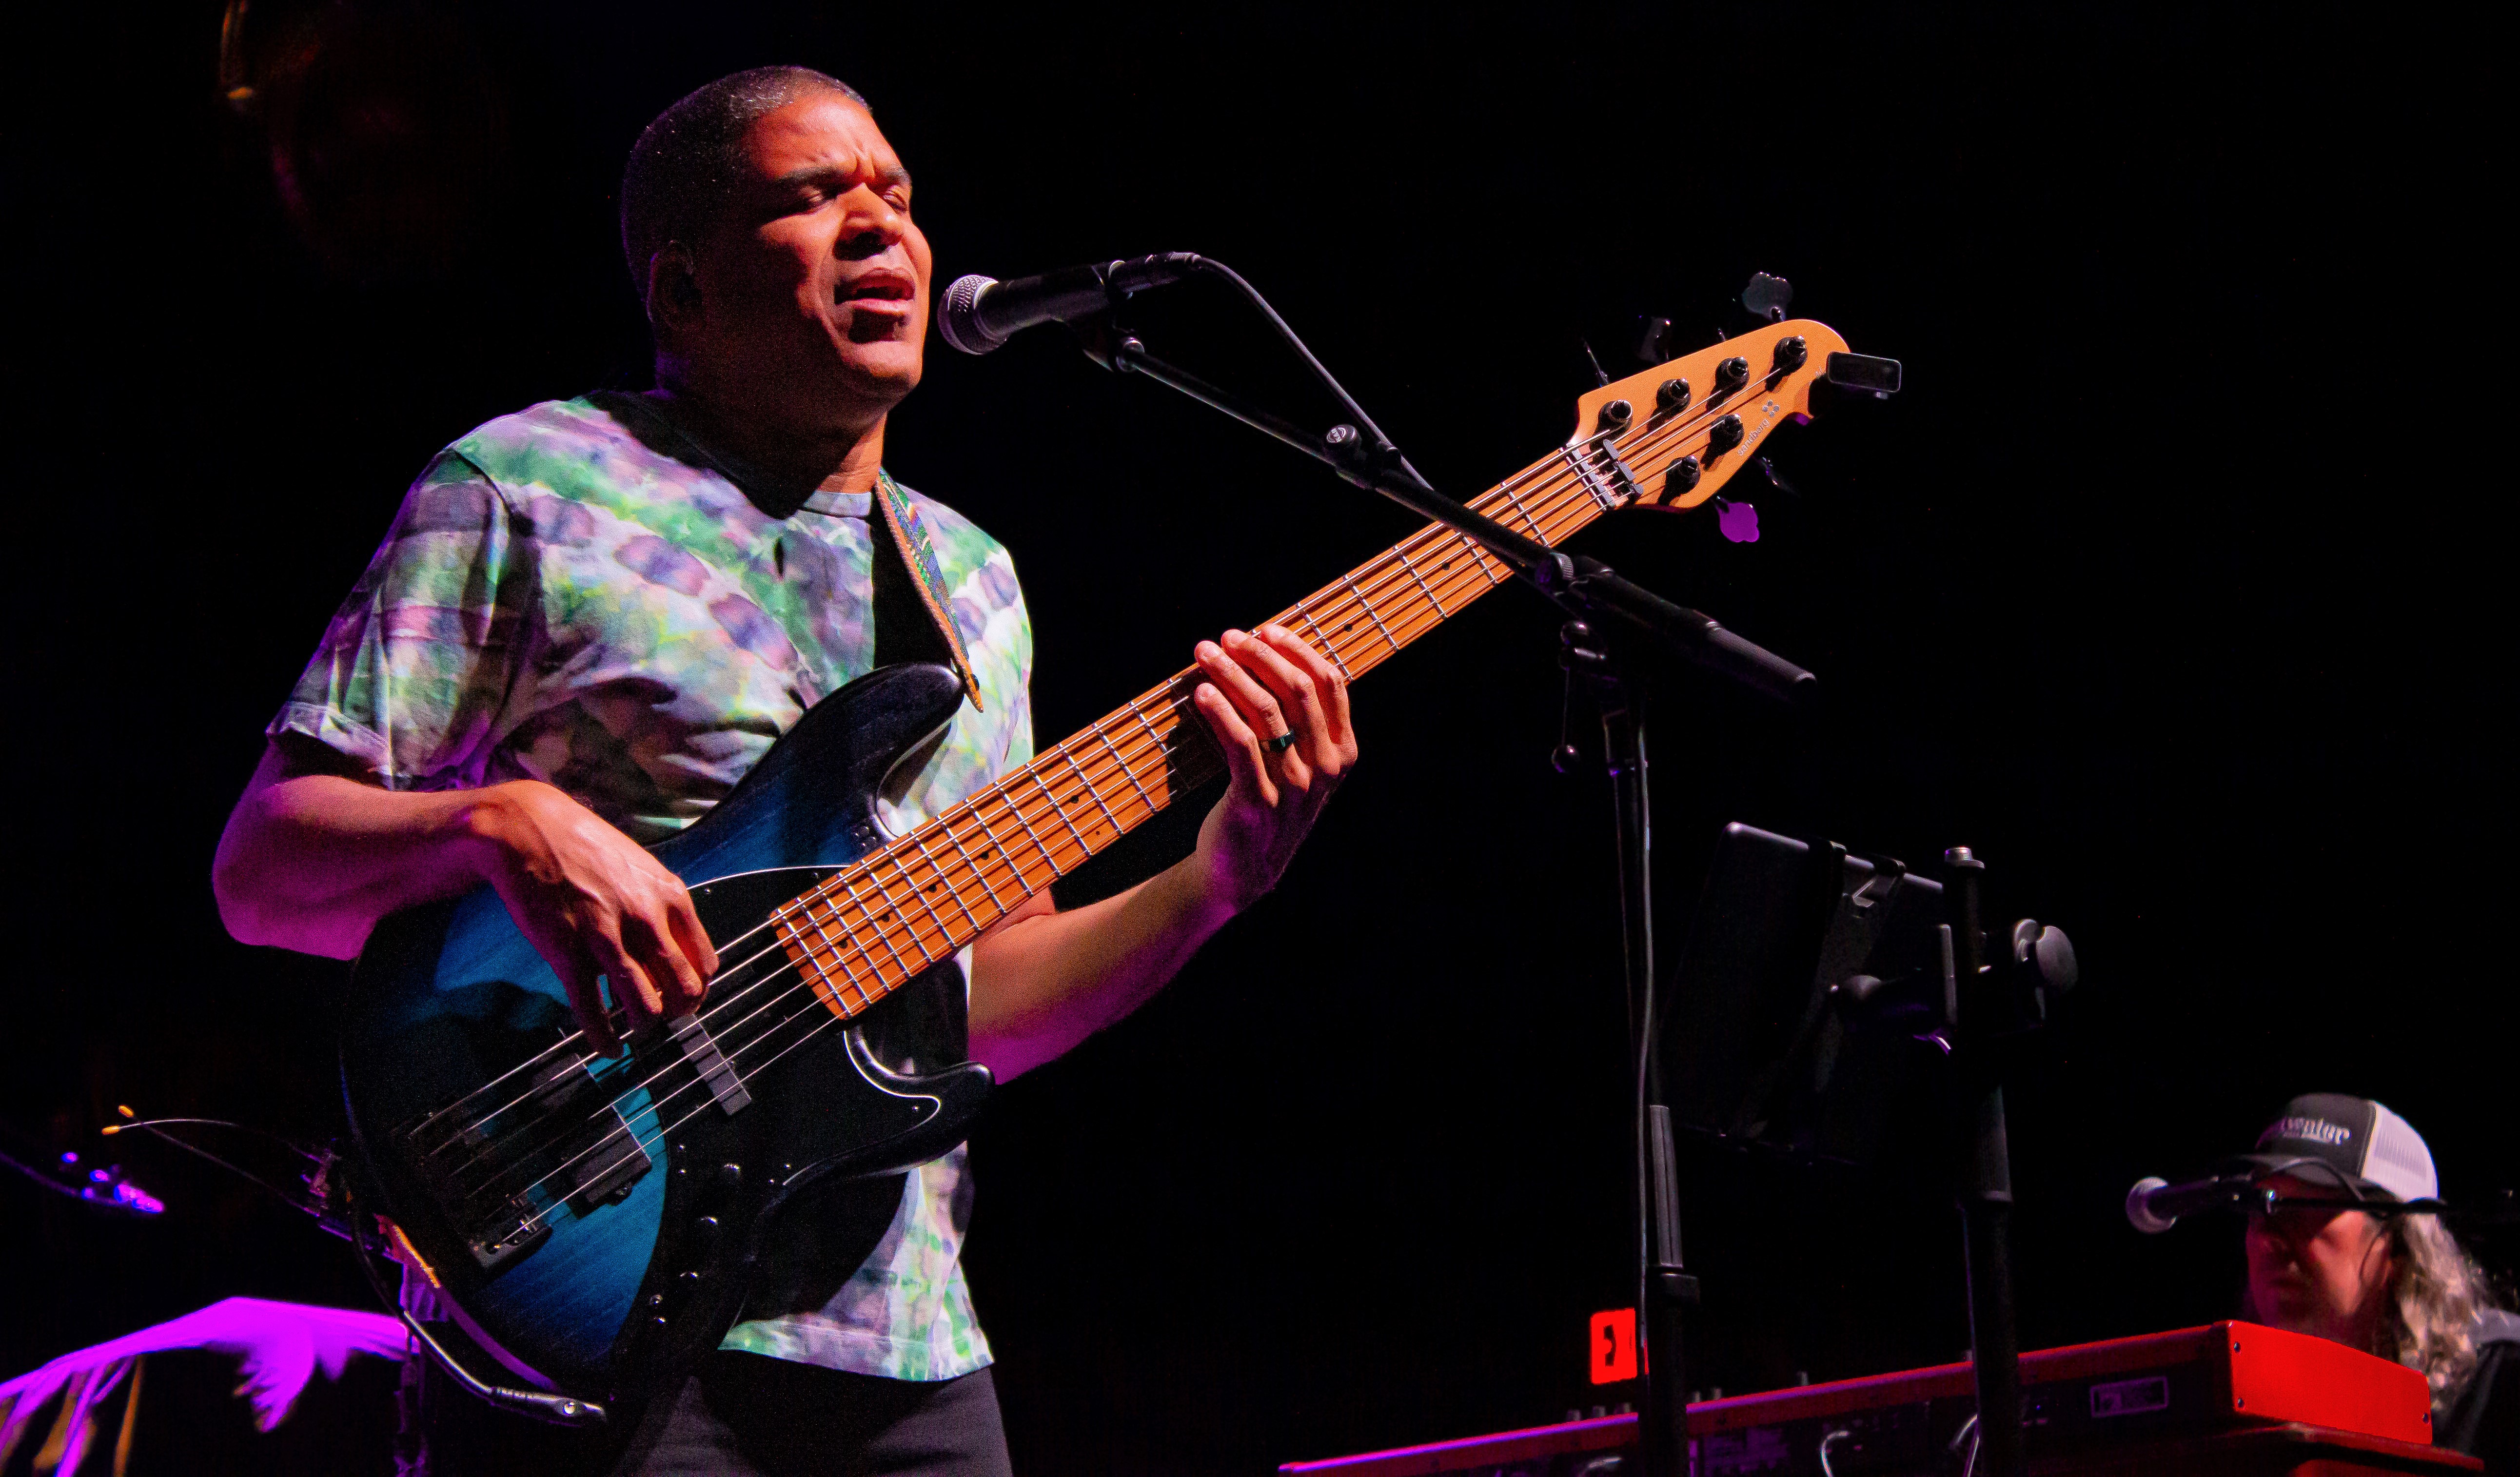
{"type": "Point", "coordinates": [683, 168]}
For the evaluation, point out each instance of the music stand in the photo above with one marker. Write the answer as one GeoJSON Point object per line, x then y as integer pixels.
{"type": "Point", "coordinates": [1808, 981]}
{"type": "Point", "coordinates": [1765, 1056]}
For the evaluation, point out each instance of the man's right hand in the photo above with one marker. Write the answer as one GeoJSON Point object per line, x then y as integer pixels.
{"type": "Point", "coordinates": [317, 853]}
{"type": "Point", "coordinates": [593, 903]}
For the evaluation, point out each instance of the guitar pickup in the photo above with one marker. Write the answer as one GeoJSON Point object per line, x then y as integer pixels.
{"type": "Point", "coordinates": [497, 1180]}
{"type": "Point", "coordinates": [699, 1049]}
{"type": "Point", "coordinates": [607, 1167]}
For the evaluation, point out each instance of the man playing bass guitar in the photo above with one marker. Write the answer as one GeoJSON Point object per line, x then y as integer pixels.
{"type": "Point", "coordinates": [590, 618]}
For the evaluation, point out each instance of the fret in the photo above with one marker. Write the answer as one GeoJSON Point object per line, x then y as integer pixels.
{"type": "Point", "coordinates": [866, 922]}
{"type": "Point", "coordinates": [1190, 764]}
{"type": "Point", "coordinates": [1368, 609]}
{"type": "Point", "coordinates": [835, 993]}
{"type": "Point", "coordinates": [1117, 829]}
{"type": "Point", "coordinates": [980, 868]}
{"type": "Point", "coordinates": [1056, 809]}
{"type": "Point", "coordinates": [943, 879]}
{"type": "Point", "coordinates": [1034, 836]}
{"type": "Point", "coordinates": [1160, 736]}
{"type": "Point", "coordinates": [1328, 646]}
{"type": "Point", "coordinates": [1581, 502]}
{"type": "Point", "coordinates": [1402, 550]}
{"type": "Point", "coordinates": [1445, 576]}
{"type": "Point", "coordinates": [876, 877]}
{"type": "Point", "coordinates": [833, 948]}
{"type": "Point", "coordinates": [997, 846]}
{"type": "Point", "coordinates": [1125, 768]}
{"type": "Point", "coordinates": [1480, 558]}
{"type": "Point", "coordinates": [849, 983]}
{"type": "Point", "coordinates": [1532, 523]}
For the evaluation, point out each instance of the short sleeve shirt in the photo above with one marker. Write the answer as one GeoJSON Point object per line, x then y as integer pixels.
{"type": "Point", "coordinates": [578, 594]}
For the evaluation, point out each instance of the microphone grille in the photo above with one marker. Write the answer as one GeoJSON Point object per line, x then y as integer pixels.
{"type": "Point", "coordinates": [957, 315]}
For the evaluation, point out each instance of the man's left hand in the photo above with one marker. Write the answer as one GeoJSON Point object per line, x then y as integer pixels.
{"type": "Point", "coordinates": [1263, 686]}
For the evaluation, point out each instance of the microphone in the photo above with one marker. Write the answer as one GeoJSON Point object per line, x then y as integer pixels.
{"type": "Point", "coordinates": [2154, 1204]}
{"type": "Point", "coordinates": [979, 313]}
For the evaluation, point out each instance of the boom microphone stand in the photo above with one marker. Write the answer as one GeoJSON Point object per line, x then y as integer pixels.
{"type": "Point", "coordinates": [1592, 597]}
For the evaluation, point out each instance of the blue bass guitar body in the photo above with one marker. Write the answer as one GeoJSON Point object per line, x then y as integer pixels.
{"type": "Point", "coordinates": [596, 1221]}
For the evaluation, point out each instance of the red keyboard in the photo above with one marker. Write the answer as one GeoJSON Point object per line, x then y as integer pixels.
{"type": "Point", "coordinates": [2267, 1390]}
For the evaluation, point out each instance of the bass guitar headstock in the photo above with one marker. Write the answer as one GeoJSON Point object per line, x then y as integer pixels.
{"type": "Point", "coordinates": [1670, 436]}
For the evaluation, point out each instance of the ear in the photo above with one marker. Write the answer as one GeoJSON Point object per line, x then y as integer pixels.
{"type": "Point", "coordinates": [673, 289]}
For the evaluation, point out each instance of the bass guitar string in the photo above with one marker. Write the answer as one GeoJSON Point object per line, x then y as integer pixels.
{"type": "Point", "coordinates": [1404, 572]}
{"type": "Point", "coordinates": [1465, 585]}
{"type": "Point", "coordinates": [1407, 570]}
{"type": "Point", "coordinates": [1394, 571]}
{"type": "Point", "coordinates": [1502, 495]}
{"type": "Point", "coordinates": [1520, 482]}
{"type": "Point", "coordinates": [714, 1014]}
{"type": "Point", "coordinates": [1136, 754]}
{"type": "Point", "coordinates": [1554, 471]}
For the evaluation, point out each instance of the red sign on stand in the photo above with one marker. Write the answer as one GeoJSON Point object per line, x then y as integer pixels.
{"type": "Point", "coordinates": [1614, 1346]}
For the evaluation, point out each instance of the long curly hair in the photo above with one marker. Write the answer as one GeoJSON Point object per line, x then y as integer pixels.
{"type": "Point", "coordinates": [2435, 1295]}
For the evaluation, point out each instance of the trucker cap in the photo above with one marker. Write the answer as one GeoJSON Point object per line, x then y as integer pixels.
{"type": "Point", "coordinates": [2360, 1144]}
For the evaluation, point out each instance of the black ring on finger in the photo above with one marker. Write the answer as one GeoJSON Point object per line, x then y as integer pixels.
{"type": "Point", "coordinates": [1279, 744]}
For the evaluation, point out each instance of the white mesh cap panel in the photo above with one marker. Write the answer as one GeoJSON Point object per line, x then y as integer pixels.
{"type": "Point", "coordinates": [2397, 1159]}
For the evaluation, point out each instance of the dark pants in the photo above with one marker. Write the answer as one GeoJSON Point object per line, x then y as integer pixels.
{"type": "Point", "coordinates": [743, 1415]}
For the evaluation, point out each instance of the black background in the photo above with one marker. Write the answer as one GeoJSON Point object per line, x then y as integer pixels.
{"type": "Point", "coordinates": [2167, 585]}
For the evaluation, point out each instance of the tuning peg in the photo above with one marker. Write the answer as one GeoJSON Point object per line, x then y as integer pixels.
{"type": "Point", "coordinates": [1654, 339]}
{"type": "Point", "coordinates": [1765, 296]}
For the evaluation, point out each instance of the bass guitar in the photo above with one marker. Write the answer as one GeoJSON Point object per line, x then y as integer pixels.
{"type": "Point", "coordinates": [593, 1220]}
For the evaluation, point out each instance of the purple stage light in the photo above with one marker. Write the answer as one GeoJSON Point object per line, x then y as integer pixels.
{"type": "Point", "coordinates": [139, 1199]}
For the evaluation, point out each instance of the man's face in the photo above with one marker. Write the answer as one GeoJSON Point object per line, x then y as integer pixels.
{"type": "Point", "coordinates": [2319, 1272]}
{"type": "Point", "coordinates": [812, 287]}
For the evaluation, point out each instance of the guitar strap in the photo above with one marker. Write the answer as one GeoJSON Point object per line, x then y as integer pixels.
{"type": "Point", "coordinates": [908, 536]}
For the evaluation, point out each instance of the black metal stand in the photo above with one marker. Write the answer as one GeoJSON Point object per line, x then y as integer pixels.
{"type": "Point", "coordinates": [1590, 592]}
{"type": "Point", "coordinates": [1983, 1015]}
{"type": "Point", "coordinates": [1665, 1290]}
